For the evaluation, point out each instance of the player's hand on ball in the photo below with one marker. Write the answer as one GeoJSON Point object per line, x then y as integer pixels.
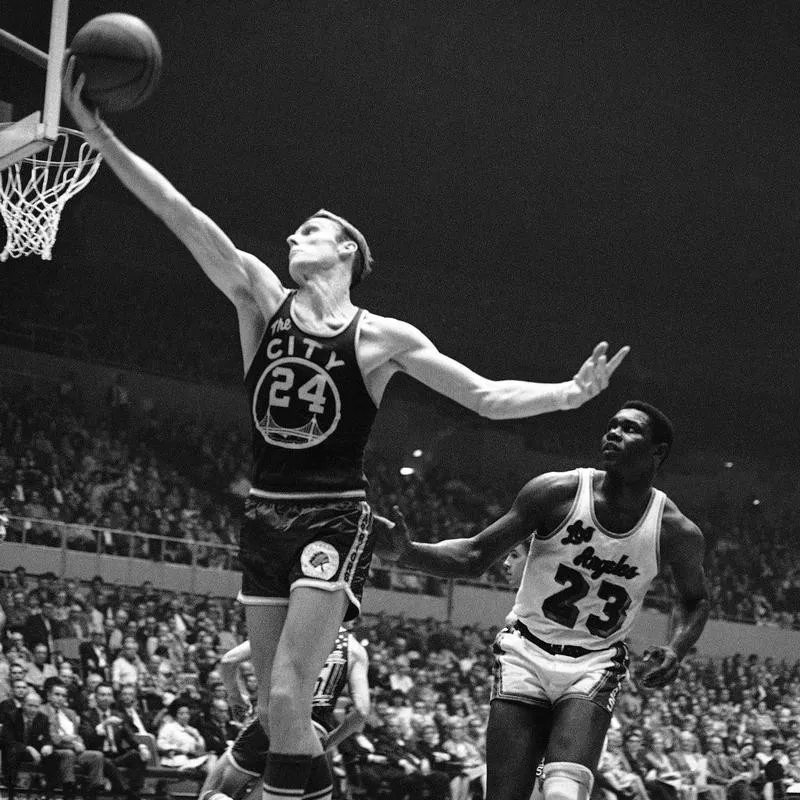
{"type": "Point", "coordinates": [594, 375]}
{"type": "Point", "coordinates": [391, 536]}
{"type": "Point", "coordinates": [661, 667]}
{"type": "Point", "coordinates": [71, 89]}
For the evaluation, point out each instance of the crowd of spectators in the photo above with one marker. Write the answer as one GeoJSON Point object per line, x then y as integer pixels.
{"type": "Point", "coordinates": [97, 683]}
{"type": "Point", "coordinates": [135, 671]}
{"type": "Point", "coordinates": [136, 482]}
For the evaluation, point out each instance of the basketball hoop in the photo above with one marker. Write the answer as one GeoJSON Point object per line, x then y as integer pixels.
{"type": "Point", "coordinates": [34, 191]}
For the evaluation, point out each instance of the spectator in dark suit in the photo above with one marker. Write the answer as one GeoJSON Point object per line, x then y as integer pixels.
{"type": "Point", "coordinates": [111, 733]}
{"type": "Point", "coordinates": [9, 707]}
{"type": "Point", "coordinates": [775, 774]}
{"type": "Point", "coordinates": [94, 655]}
{"type": "Point", "coordinates": [69, 745]}
{"type": "Point", "coordinates": [25, 739]}
{"type": "Point", "coordinates": [85, 698]}
{"type": "Point", "coordinates": [722, 772]}
{"type": "Point", "coordinates": [401, 769]}
{"type": "Point", "coordinates": [217, 729]}
{"type": "Point", "coordinates": [128, 704]}
{"type": "Point", "coordinates": [38, 627]}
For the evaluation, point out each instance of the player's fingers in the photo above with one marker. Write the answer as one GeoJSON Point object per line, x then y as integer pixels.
{"type": "Point", "coordinates": [602, 373]}
{"type": "Point", "coordinates": [617, 359]}
{"type": "Point", "coordinates": [398, 517]}
{"type": "Point", "coordinates": [600, 349]}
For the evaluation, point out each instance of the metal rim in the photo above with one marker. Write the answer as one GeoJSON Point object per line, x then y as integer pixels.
{"type": "Point", "coordinates": [37, 158]}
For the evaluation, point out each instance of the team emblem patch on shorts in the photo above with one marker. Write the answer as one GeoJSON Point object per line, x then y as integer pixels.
{"type": "Point", "coordinates": [319, 560]}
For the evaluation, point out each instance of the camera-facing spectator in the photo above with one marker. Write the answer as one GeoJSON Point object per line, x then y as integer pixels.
{"type": "Point", "coordinates": [25, 739]}
{"type": "Point", "coordinates": [110, 732]}
{"type": "Point", "coordinates": [38, 627]}
{"type": "Point", "coordinates": [217, 730]}
{"type": "Point", "coordinates": [40, 668]}
{"type": "Point", "coordinates": [69, 745]}
{"type": "Point", "coordinates": [19, 689]}
{"type": "Point", "coordinates": [94, 655]}
{"type": "Point", "coordinates": [179, 743]}
{"type": "Point", "coordinates": [128, 668]}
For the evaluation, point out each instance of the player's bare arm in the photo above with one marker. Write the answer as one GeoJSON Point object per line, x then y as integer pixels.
{"type": "Point", "coordinates": [358, 686]}
{"type": "Point", "coordinates": [540, 505]}
{"type": "Point", "coordinates": [229, 669]}
{"type": "Point", "coordinates": [243, 278]}
{"type": "Point", "coordinates": [682, 549]}
{"type": "Point", "coordinates": [391, 345]}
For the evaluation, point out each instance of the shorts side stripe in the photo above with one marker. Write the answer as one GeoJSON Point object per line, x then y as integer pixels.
{"type": "Point", "coordinates": [359, 544]}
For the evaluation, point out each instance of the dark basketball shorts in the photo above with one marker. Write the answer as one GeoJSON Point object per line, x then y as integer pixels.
{"type": "Point", "coordinates": [286, 544]}
{"type": "Point", "coordinates": [527, 674]}
{"type": "Point", "coordinates": [249, 752]}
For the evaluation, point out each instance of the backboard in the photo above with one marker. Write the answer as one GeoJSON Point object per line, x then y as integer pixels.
{"type": "Point", "coordinates": [39, 129]}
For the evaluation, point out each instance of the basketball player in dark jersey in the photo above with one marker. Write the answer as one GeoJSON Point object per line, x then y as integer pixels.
{"type": "Point", "coordinates": [599, 539]}
{"type": "Point", "coordinates": [316, 368]}
{"type": "Point", "coordinates": [237, 773]}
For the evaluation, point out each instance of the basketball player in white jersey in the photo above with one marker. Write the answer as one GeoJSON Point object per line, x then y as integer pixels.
{"type": "Point", "coordinates": [600, 538]}
{"type": "Point", "coordinates": [316, 368]}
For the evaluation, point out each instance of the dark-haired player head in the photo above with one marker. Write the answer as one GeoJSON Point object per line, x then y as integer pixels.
{"type": "Point", "coordinates": [636, 441]}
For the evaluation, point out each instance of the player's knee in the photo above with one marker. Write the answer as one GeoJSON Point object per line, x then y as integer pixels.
{"type": "Point", "coordinates": [564, 780]}
{"type": "Point", "coordinates": [283, 702]}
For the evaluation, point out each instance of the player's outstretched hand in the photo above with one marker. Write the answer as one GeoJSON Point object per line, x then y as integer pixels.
{"type": "Point", "coordinates": [391, 536]}
{"type": "Point", "coordinates": [661, 667]}
{"type": "Point", "coordinates": [88, 120]}
{"type": "Point", "coordinates": [594, 374]}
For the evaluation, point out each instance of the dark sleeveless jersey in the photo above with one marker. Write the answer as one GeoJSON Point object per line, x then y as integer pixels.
{"type": "Point", "coordinates": [331, 683]}
{"type": "Point", "coordinates": [310, 411]}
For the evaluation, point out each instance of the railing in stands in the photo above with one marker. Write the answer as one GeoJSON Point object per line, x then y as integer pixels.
{"type": "Point", "coordinates": [90, 538]}
{"type": "Point", "coordinates": [207, 566]}
{"type": "Point", "coordinates": [43, 338]}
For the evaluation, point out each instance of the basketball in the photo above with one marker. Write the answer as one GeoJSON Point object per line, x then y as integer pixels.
{"type": "Point", "coordinates": [121, 58]}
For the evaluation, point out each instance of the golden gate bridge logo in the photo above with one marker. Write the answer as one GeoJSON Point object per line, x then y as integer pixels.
{"type": "Point", "coordinates": [296, 404]}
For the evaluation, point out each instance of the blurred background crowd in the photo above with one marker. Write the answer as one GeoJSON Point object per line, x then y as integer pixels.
{"type": "Point", "coordinates": [181, 480]}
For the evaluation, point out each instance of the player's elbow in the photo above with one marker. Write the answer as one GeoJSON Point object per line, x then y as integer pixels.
{"type": "Point", "coordinates": [486, 402]}
{"type": "Point", "coordinates": [476, 563]}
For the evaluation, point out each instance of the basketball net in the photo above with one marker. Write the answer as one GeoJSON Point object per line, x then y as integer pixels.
{"type": "Point", "coordinates": [34, 191]}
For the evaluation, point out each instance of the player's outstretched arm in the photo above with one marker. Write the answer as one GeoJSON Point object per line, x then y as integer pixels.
{"type": "Point", "coordinates": [415, 354]}
{"type": "Point", "coordinates": [229, 670]}
{"type": "Point", "coordinates": [358, 685]}
{"type": "Point", "coordinates": [683, 548]}
{"type": "Point", "coordinates": [471, 557]}
{"type": "Point", "coordinates": [240, 276]}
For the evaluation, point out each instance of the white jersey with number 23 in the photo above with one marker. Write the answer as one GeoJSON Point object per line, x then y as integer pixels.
{"type": "Point", "coordinates": [583, 585]}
